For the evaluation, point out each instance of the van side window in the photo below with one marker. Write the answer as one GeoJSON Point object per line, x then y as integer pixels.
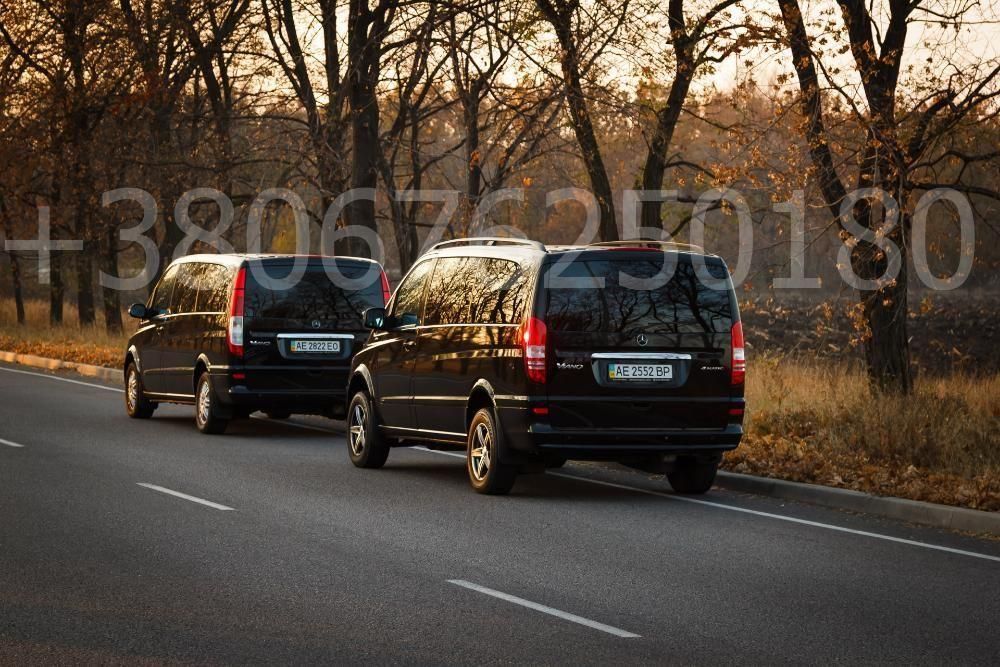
{"type": "Point", "coordinates": [476, 290]}
{"type": "Point", "coordinates": [160, 300]}
{"type": "Point", "coordinates": [501, 292]}
{"type": "Point", "coordinates": [213, 288]}
{"type": "Point", "coordinates": [186, 291]}
{"type": "Point", "coordinates": [410, 293]}
{"type": "Point", "coordinates": [448, 292]}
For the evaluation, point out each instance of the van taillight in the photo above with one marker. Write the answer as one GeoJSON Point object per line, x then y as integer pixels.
{"type": "Point", "coordinates": [235, 335]}
{"type": "Point", "coordinates": [532, 335]}
{"type": "Point", "coordinates": [386, 293]}
{"type": "Point", "coordinates": [738, 362]}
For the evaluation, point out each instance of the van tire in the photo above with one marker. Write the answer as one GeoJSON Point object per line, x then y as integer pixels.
{"type": "Point", "coordinates": [136, 404]}
{"type": "Point", "coordinates": [482, 460]}
{"type": "Point", "coordinates": [207, 416]}
{"type": "Point", "coordinates": [366, 445]}
{"type": "Point", "coordinates": [692, 476]}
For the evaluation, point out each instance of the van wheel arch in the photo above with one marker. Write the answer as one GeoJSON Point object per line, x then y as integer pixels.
{"type": "Point", "coordinates": [201, 366]}
{"type": "Point", "coordinates": [481, 397]}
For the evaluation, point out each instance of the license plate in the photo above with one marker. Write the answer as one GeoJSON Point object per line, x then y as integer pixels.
{"type": "Point", "coordinates": [315, 346]}
{"type": "Point", "coordinates": [640, 372]}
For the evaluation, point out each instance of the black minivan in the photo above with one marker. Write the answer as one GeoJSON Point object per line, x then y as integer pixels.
{"type": "Point", "coordinates": [528, 356]}
{"type": "Point", "coordinates": [231, 334]}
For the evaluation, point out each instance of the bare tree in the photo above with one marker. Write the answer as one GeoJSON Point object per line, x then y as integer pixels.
{"type": "Point", "coordinates": [894, 150]}
{"type": "Point", "coordinates": [583, 31]}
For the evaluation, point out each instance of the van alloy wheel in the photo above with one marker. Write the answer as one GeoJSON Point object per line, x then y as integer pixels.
{"type": "Point", "coordinates": [133, 388]}
{"type": "Point", "coordinates": [359, 424]}
{"type": "Point", "coordinates": [487, 472]}
{"type": "Point", "coordinates": [204, 402]}
{"type": "Point", "coordinates": [137, 406]}
{"type": "Point", "coordinates": [481, 452]}
{"type": "Point", "coordinates": [208, 415]}
{"type": "Point", "coordinates": [366, 445]}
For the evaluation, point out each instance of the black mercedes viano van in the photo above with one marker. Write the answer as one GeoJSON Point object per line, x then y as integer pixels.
{"type": "Point", "coordinates": [528, 356]}
{"type": "Point", "coordinates": [232, 334]}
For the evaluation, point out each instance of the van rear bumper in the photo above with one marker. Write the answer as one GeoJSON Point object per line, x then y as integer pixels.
{"type": "Point", "coordinates": [238, 395]}
{"type": "Point", "coordinates": [609, 444]}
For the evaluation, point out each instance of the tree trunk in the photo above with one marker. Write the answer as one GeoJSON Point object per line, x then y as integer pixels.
{"type": "Point", "coordinates": [85, 284]}
{"type": "Point", "coordinates": [56, 290]}
{"type": "Point", "coordinates": [886, 344]}
{"type": "Point", "coordinates": [15, 275]}
{"type": "Point", "coordinates": [579, 114]}
{"type": "Point", "coordinates": [590, 149]}
{"type": "Point", "coordinates": [364, 36]}
{"type": "Point", "coordinates": [112, 302]}
{"type": "Point", "coordinates": [666, 123]}
{"type": "Point", "coordinates": [473, 160]}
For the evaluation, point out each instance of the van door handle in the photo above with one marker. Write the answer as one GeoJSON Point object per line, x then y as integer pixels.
{"type": "Point", "coordinates": [409, 344]}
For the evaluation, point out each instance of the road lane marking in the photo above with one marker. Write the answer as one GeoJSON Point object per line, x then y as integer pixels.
{"type": "Point", "coordinates": [782, 517]}
{"type": "Point", "coordinates": [62, 379]}
{"type": "Point", "coordinates": [610, 629]}
{"type": "Point", "coordinates": [200, 501]}
{"type": "Point", "coordinates": [10, 444]}
{"type": "Point", "coordinates": [768, 515]}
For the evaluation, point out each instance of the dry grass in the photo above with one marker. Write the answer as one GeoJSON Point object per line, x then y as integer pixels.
{"type": "Point", "coordinates": [89, 345]}
{"type": "Point", "coordinates": [807, 420]}
{"type": "Point", "coordinates": [821, 422]}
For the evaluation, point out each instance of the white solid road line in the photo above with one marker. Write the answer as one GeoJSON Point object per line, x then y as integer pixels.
{"type": "Point", "coordinates": [610, 629]}
{"type": "Point", "coordinates": [62, 379]}
{"type": "Point", "coordinates": [769, 515]}
{"type": "Point", "coordinates": [9, 443]}
{"type": "Point", "coordinates": [200, 501]}
{"type": "Point", "coordinates": [781, 517]}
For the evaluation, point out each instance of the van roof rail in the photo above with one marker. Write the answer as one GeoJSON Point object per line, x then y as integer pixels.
{"type": "Point", "coordinates": [666, 245]}
{"type": "Point", "coordinates": [489, 241]}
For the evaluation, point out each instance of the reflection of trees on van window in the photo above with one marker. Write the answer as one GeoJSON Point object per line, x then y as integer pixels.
{"type": "Point", "coordinates": [476, 290]}
{"type": "Point", "coordinates": [411, 291]}
{"type": "Point", "coordinates": [683, 305]}
{"type": "Point", "coordinates": [315, 297]}
{"type": "Point", "coordinates": [213, 288]}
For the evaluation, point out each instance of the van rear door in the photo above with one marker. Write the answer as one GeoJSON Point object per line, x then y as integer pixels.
{"type": "Point", "coordinates": [639, 341]}
{"type": "Point", "coordinates": [301, 335]}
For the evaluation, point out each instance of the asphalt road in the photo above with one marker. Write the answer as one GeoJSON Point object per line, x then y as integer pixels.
{"type": "Point", "coordinates": [304, 558]}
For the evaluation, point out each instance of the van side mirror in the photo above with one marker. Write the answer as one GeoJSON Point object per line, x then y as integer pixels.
{"type": "Point", "coordinates": [138, 311]}
{"type": "Point", "coordinates": [375, 318]}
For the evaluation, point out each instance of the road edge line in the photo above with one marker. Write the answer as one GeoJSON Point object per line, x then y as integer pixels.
{"type": "Point", "coordinates": [890, 507]}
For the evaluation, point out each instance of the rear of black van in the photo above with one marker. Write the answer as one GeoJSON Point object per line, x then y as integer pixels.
{"type": "Point", "coordinates": [644, 354]}
{"type": "Point", "coordinates": [293, 331]}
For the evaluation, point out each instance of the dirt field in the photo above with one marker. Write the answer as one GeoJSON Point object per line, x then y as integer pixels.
{"type": "Point", "coordinates": [948, 333]}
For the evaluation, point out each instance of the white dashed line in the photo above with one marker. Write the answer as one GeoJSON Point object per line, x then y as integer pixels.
{"type": "Point", "coordinates": [178, 494]}
{"type": "Point", "coordinates": [610, 629]}
{"type": "Point", "coordinates": [10, 444]}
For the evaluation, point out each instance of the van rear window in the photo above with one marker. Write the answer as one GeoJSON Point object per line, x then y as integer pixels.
{"type": "Point", "coordinates": [315, 297]}
{"type": "Point", "coordinates": [682, 305]}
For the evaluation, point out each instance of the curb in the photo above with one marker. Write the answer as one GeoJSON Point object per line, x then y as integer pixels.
{"type": "Point", "coordinates": [901, 509]}
{"type": "Point", "coordinates": [99, 372]}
